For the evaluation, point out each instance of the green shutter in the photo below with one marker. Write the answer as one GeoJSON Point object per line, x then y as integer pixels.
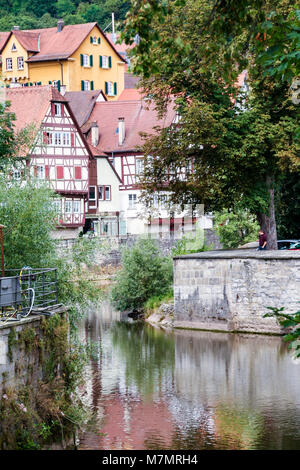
{"type": "Point", "coordinates": [91, 61]}
{"type": "Point", "coordinates": [92, 85]}
{"type": "Point", "coordinates": [106, 88]}
{"type": "Point", "coordinates": [109, 62]}
{"type": "Point", "coordinates": [58, 85]}
{"type": "Point", "coordinates": [98, 40]}
{"type": "Point", "coordinates": [91, 40]}
{"type": "Point", "coordinates": [82, 85]}
{"type": "Point", "coordinates": [50, 83]}
{"type": "Point", "coordinates": [39, 83]}
{"type": "Point", "coordinates": [100, 61]}
{"type": "Point", "coordinates": [31, 84]}
{"type": "Point", "coordinates": [81, 59]}
{"type": "Point", "coordinates": [115, 88]}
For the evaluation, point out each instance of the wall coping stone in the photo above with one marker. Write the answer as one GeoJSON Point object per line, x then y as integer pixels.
{"type": "Point", "coordinates": [243, 254]}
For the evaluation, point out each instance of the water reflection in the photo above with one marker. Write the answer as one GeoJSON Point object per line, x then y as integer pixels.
{"type": "Point", "coordinates": [189, 389]}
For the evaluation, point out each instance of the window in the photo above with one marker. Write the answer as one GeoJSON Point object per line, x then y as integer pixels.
{"type": "Point", "coordinates": [100, 193]}
{"type": "Point", "coordinates": [92, 193]}
{"type": "Point", "coordinates": [104, 62]}
{"type": "Point", "coordinates": [66, 138]}
{"type": "Point", "coordinates": [60, 172]}
{"type": "Point", "coordinates": [132, 200]}
{"type": "Point", "coordinates": [13, 48]}
{"type": "Point", "coordinates": [94, 40]}
{"type": "Point", "coordinates": [76, 207]}
{"type": "Point", "coordinates": [57, 109]}
{"type": "Point", "coordinates": [57, 138]}
{"type": "Point", "coordinates": [139, 166]}
{"type": "Point", "coordinates": [16, 174]}
{"type": "Point", "coordinates": [107, 193]}
{"type": "Point", "coordinates": [104, 193]}
{"type": "Point", "coordinates": [86, 60]}
{"type": "Point", "coordinates": [57, 205]}
{"type": "Point", "coordinates": [9, 64]}
{"type": "Point", "coordinates": [20, 61]}
{"type": "Point", "coordinates": [40, 172]}
{"type": "Point", "coordinates": [68, 207]}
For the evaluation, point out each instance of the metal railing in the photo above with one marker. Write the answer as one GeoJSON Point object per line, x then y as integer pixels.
{"type": "Point", "coordinates": [25, 290]}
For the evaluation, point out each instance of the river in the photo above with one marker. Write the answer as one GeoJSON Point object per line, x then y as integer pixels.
{"type": "Point", "coordinates": [156, 389]}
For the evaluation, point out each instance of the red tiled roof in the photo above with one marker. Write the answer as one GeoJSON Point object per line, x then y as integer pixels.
{"type": "Point", "coordinates": [138, 118]}
{"type": "Point", "coordinates": [30, 104]}
{"type": "Point", "coordinates": [82, 103]}
{"type": "Point", "coordinates": [130, 94]}
{"type": "Point", "coordinates": [51, 44]}
{"type": "Point", "coordinates": [28, 39]}
{"type": "Point", "coordinates": [120, 47]}
{"type": "Point", "coordinates": [3, 38]}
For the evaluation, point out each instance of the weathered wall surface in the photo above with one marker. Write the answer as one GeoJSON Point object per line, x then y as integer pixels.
{"type": "Point", "coordinates": [230, 290]}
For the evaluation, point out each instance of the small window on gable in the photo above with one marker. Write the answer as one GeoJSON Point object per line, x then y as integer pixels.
{"type": "Point", "coordinates": [57, 109]}
{"type": "Point", "coordinates": [13, 47]}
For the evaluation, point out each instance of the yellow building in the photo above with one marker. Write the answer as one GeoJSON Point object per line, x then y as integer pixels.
{"type": "Point", "coordinates": [76, 57]}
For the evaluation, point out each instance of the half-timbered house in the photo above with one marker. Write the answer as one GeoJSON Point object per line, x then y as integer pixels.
{"type": "Point", "coordinates": [59, 154]}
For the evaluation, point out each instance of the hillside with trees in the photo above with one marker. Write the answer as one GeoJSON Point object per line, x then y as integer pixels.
{"type": "Point", "coordinates": [35, 14]}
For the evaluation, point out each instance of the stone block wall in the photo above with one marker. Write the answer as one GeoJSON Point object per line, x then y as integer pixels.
{"type": "Point", "coordinates": [231, 290]}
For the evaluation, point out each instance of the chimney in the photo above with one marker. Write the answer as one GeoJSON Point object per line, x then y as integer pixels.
{"type": "Point", "coordinates": [95, 134]}
{"type": "Point", "coordinates": [16, 28]}
{"type": "Point", "coordinates": [60, 25]}
{"type": "Point", "coordinates": [121, 131]}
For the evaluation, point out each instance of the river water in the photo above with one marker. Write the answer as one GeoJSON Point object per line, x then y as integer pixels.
{"type": "Point", "coordinates": [152, 389]}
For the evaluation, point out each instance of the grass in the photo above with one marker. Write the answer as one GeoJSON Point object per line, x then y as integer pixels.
{"type": "Point", "coordinates": [155, 302]}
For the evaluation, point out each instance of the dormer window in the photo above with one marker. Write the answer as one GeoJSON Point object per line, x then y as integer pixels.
{"type": "Point", "coordinates": [57, 109]}
{"type": "Point", "coordinates": [13, 49]}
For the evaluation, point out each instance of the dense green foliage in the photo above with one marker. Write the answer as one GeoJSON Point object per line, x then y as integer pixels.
{"type": "Point", "coordinates": [144, 273]}
{"type": "Point", "coordinates": [44, 14]}
{"type": "Point", "coordinates": [192, 242]}
{"type": "Point", "coordinates": [288, 320]}
{"type": "Point", "coordinates": [288, 207]}
{"type": "Point", "coordinates": [236, 227]}
{"type": "Point", "coordinates": [239, 150]}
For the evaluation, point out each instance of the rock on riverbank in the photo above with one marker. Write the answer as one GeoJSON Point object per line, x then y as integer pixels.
{"type": "Point", "coordinates": [163, 316]}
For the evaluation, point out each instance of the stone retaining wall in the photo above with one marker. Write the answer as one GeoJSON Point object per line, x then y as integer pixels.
{"type": "Point", "coordinates": [231, 290]}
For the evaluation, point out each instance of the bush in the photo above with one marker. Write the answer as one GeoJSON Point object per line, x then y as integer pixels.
{"type": "Point", "coordinates": [145, 273]}
{"type": "Point", "coordinates": [193, 242]}
{"type": "Point", "coordinates": [236, 228]}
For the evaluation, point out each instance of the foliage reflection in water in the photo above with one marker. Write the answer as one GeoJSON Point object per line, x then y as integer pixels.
{"type": "Point", "coordinates": [153, 389]}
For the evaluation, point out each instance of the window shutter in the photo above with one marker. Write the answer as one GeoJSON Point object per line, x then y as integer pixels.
{"type": "Point", "coordinates": [109, 62]}
{"type": "Point", "coordinates": [115, 88]}
{"type": "Point", "coordinates": [77, 172]}
{"type": "Point", "coordinates": [99, 40]}
{"type": "Point", "coordinates": [91, 40]}
{"type": "Point", "coordinates": [50, 82]}
{"type": "Point", "coordinates": [72, 139]}
{"type": "Point", "coordinates": [38, 83]}
{"type": "Point", "coordinates": [81, 59]}
{"type": "Point", "coordinates": [60, 172]}
{"type": "Point", "coordinates": [52, 109]}
{"type": "Point", "coordinates": [82, 85]}
{"type": "Point", "coordinates": [58, 85]}
{"type": "Point", "coordinates": [31, 84]}
{"type": "Point", "coordinates": [45, 138]}
{"type": "Point", "coordinates": [100, 61]}
{"type": "Point", "coordinates": [35, 170]}
{"type": "Point", "coordinates": [91, 60]}
{"type": "Point", "coordinates": [92, 85]}
{"type": "Point", "coordinates": [106, 88]}
{"type": "Point", "coordinates": [47, 171]}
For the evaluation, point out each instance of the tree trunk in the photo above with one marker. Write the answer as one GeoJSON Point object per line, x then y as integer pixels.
{"type": "Point", "coordinates": [268, 222]}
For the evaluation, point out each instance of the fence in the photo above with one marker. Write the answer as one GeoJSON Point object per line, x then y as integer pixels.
{"type": "Point", "coordinates": [23, 290]}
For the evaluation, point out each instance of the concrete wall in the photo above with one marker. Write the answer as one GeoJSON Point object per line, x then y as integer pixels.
{"type": "Point", "coordinates": [230, 290]}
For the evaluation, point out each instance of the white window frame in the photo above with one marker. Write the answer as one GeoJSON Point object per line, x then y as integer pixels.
{"type": "Point", "coordinates": [95, 40]}
{"type": "Point", "coordinates": [68, 206]}
{"type": "Point", "coordinates": [105, 62]}
{"type": "Point", "coordinates": [76, 206]}
{"type": "Point", "coordinates": [57, 109]}
{"type": "Point", "coordinates": [11, 63]}
{"type": "Point", "coordinates": [13, 48]}
{"type": "Point", "coordinates": [139, 166]}
{"type": "Point", "coordinates": [110, 89]}
{"type": "Point", "coordinates": [18, 62]}
{"type": "Point", "coordinates": [86, 60]}
{"type": "Point", "coordinates": [132, 201]}
{"type": "Point", "coordinates": [93, 200]}
{"type": "Point", "coordinates": [40, 172]}
{"type": "Point", "coordinates": [66, 139]}
{"type": "Point", "coordinates": [57, 139]}
{"type": "Point", "coordinates": [109, 192]}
